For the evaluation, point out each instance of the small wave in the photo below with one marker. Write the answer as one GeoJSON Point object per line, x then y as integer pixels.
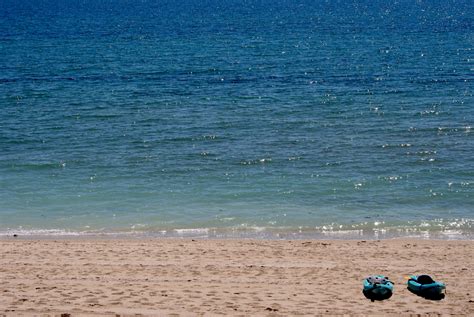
{"type": "Point", "coordinates": [45, 233]}
{"type": "Point", "coordinates": [192, 232]}
{"type": "Point", "coordinates": [256, 161]}
{"type": "Point", "coordinates": [40, 165]}
{"type": "Point", "coordinates": [40, 232]}
{"type": "Point", "coordinates": [396, 145]}
{"type": "Point", "coordinates": [422, 153]}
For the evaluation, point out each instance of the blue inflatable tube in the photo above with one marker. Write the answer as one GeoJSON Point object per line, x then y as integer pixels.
{"type": "Point", "coordinates": [377, 287]}
{"type": "Point", "coordinates": [425, 286]}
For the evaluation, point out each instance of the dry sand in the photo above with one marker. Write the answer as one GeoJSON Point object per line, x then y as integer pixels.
{"type": "Point", "coordinates": [227, 277]}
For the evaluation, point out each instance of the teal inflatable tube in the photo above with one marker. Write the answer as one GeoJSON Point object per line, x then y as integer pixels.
{"type": "Point", "coordinates": [425, 286]}
{"type": "Point", "coordinates": [377, 287]}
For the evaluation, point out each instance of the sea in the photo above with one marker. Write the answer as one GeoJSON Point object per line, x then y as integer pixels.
{"type": "Point", "coordinates": [237, 118]}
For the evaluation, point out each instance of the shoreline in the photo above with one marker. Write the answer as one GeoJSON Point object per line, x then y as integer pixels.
{"type": "Point", "coordinates": [147, 238]}
{"type": "Point", "coordinates": [189, 277]}
{"type": "Point", "coordinates": [258, 233]}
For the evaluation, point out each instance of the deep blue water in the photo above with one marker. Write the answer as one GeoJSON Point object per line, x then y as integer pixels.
{"type": "Point", "coordinates": [295, 117]}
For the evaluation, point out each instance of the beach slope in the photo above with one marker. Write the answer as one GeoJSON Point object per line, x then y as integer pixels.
{"type": "Point", "coordinates": [189, 277]}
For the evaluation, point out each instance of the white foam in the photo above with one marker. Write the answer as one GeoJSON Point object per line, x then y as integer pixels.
{"type": "Point", "coordinates": [192, 231]}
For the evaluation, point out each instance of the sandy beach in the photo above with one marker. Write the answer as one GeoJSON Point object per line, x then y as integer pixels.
{"type": "Point", "coordinates": [191, 277]}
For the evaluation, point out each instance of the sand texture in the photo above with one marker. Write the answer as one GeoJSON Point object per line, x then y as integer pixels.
{"type": "Point", "coordinates": [186, 277]}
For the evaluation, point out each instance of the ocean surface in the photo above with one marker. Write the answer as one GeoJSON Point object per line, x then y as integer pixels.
{"type": "Point", "coordinates": [247, 118]}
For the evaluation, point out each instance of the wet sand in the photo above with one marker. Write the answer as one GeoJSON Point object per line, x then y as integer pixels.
{"type": "Point", "coordinates": [189, 277]}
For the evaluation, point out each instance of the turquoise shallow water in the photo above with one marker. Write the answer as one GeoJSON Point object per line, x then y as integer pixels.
{"type": "Point", "coordinates": [287, 118]}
